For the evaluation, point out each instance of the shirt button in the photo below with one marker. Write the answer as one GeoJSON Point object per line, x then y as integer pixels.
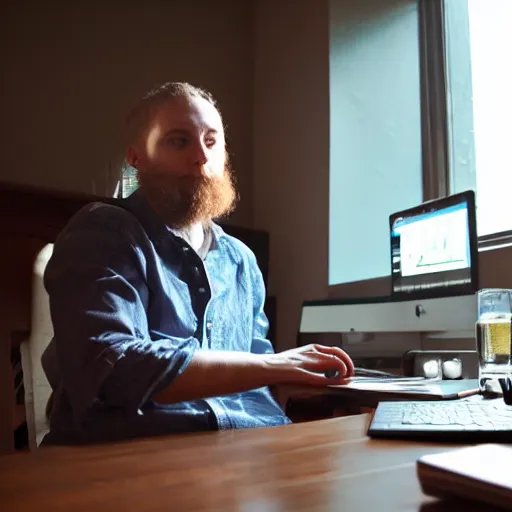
{"type": "Point", "coordinates": [185, 249]}
{"type": "Point", "coordinates": [197, 272]}
{"type": "Point", "coordinates": [202, 290]}
{"type": "Point", "coordinates": [209, 325]}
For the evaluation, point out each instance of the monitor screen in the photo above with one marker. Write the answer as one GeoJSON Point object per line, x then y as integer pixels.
{"type": "Point", "coordinates": [434, 248]}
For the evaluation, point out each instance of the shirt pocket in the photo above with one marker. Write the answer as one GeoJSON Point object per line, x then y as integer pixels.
{"type": "Point", "coordinates": [170, 311]}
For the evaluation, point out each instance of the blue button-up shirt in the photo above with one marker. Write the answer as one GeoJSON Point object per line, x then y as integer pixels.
{"type": "Point", "coordinates": [131, 302]}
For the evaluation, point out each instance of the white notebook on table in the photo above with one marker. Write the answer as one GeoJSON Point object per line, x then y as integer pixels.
{"type": "Point", "coordinates": [478, 473]}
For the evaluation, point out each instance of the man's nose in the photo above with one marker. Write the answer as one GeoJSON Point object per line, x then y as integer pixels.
{"type": "Point", "coordinates": [200, 154]}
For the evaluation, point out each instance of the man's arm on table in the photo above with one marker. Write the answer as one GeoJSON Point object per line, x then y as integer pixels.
{"type": "Point", "coordinates": [218, 373]}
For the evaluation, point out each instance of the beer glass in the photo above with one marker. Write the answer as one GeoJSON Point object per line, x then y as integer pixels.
{"type": "Point", "coordinates": [493, 333]}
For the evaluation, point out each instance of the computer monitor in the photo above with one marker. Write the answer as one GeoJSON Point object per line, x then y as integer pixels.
{"type": "Point", "coordinates": [434, 248]}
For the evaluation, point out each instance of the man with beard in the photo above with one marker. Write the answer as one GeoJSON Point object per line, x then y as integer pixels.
{"type": "Point", "coordinates": [158, 314]}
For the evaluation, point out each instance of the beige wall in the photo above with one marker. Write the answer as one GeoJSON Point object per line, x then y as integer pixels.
{"type": "Point", "coordinates": [291, 151]}
{"type": "Point", "coordinates": [70, 70]}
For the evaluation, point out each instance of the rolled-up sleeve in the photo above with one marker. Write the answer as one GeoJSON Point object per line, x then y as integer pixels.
{"type": "Point", "coordinates": [98, 301]}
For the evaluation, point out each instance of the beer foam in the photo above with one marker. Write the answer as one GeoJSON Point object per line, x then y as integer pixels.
{"type": "Point", "coordinates": [495, 318]}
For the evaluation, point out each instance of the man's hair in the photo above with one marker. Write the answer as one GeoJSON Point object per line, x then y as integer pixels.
{"type": "Point", "coordinates": [139, 117]}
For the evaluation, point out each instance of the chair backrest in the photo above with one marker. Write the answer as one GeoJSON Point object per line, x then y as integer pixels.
{"type": "Point", "coordinates": [30, 218]}
{"type": "Point", "coordinates": [37, 387]}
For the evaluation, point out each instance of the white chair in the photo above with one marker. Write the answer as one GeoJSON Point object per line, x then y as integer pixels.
{"type": "Point", "coordinates": [37, 387]}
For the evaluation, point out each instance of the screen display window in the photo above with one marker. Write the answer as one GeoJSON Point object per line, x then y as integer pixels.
{"type": "Point", "coordinates": [431, 249]}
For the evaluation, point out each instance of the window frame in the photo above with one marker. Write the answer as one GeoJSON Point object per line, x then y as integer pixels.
{"type": "Point", "coordinates": [433, 94]}
{"type": "Point", "coordinates": [434, 111]}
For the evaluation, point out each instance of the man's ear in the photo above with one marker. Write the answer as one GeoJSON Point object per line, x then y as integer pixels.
{"type": "Point", "coordinates": [132, 158]}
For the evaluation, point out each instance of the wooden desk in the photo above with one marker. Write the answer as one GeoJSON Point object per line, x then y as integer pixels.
{"type": "Point", "coordinates": [322, 465]}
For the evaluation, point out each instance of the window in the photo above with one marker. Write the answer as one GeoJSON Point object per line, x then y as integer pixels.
{"type": "Point", "coordinates": [128, 183]}
{"type": "Point", "coordinates": [464, 108]}
{"type": "Point", "coordinates": [375, 131]}
{"type": "Point", "coordinates": [478, 41]}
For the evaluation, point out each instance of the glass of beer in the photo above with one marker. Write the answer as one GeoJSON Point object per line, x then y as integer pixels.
{"type": "Point", "coordinates": [493, 333]}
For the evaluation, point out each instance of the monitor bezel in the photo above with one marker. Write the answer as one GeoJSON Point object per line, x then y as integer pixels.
{"type": "Point", "coordinates": [467, 196]}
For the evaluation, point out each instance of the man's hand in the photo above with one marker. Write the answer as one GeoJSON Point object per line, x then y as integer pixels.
{"type": "Point", "coordinates": [308, 365]}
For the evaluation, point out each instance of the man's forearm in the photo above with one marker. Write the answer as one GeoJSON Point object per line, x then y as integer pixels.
{"type": "Point", "coordinates": [218, 373]}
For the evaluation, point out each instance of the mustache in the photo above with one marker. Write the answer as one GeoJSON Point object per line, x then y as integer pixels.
{"type": "Point", "coordinates": [164, 177]}
{"type": "Point", "coordinates": [163, 184]}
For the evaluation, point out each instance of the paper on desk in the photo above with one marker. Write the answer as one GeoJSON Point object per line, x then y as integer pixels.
{"type": "Point", "coordinates": [415, 385]}
{"type": "Point", "coordinates": [428, 387]}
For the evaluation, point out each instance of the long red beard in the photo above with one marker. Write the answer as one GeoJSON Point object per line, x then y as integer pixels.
{"type": "Point", "coordinates": [185, 200]}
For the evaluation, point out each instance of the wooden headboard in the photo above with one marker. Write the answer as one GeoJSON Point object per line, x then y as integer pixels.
{"type": "Point", "coordinates": [30, 218]}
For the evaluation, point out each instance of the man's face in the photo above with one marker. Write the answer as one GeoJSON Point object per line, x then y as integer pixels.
{"type": "Point", "coordinates": [182, 163]}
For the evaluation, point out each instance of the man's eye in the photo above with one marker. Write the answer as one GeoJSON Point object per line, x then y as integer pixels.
{"type": "Point", "coordinates": [210, 142]}
{"type": "Point", "coordinates": [177, 142]}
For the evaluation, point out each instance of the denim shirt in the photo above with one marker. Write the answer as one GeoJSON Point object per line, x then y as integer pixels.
{"type": "Point", "coordinates": [131, 302]}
